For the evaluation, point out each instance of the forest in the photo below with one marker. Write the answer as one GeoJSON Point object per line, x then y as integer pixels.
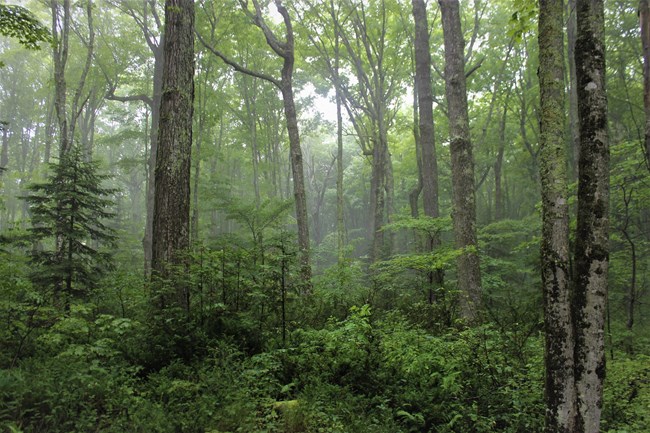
{"type": "Point", "coordinates": [331, 216]}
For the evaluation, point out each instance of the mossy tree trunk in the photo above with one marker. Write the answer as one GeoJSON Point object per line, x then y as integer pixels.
{"type": "Point", "coordinates": [592, 252]}
{"type": "Point", "coordinates": [556, 280]}
{"type": "Point", "coordinates": [171, 217]}
{"type": "Point", "coordinates": [462, 162]}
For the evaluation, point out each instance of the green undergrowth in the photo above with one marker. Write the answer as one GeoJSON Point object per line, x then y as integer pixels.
{"type": "Point", "coordinates": [369, 372]}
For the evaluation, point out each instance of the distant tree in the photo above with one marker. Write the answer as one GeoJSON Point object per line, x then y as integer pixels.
{"type": "Point", "coordinates": [69, 212]}
{"type": "Point", "coordinates": [283, 48]}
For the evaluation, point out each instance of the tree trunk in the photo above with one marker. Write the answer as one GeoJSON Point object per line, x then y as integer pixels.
{"type": "Point", "coordinates": [592, 252]}
{"type": "Point", "coordinates": [559, 383]}
{"type": "Point", "coordinates": [644, 21]}
{"type": "Point", "coordinates": [171, 219]}
{"type": "Point", "coordinates": [147, 240]}
{"type": "Point", "coordinates": [462, 163]}
{"type": "Point", "coordinates": [573, 91]}
{"type": "Point", "coordinates": [60, 36]}
{"type": "Point", "coordinates": [340, 222]}
{"type": "Point", "coordinates": [499, 202]}
{"type": "Point", "coordinates": [429, 172]}
{"type": "Point", "coordinates": [4, 154]}
{"type": "Point", "coordinates": [414, 195]}
{"type": "Point", "coordinates": [296, 167]}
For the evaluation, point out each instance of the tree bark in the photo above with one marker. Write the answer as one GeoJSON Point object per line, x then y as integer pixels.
{"type": "Point", "coordinates": [644, 21]}
{"type": "Point", "coordinates": [147, 240]}
{"type": "Point", "coordinates": [429, 166]}
{"type": "Point", "coordinates": [462, 163]}
{"type": "Point", "coordinates": [171, 219]}
{"type": "Point", "coordinates": [295, 151]}
{"type": "Point", "coordinates": [559, 368]}
{"type": "Point", "coordinates": [425, 104]}
{"type": "Point", "coordinates": [574, 144]}
{"type": "Point", "coordinates": [592, 252]}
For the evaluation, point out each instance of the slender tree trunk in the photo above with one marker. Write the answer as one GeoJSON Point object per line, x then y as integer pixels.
{"type": "Point", "coordinates": [425, 104]}
{"type": "Point", "coordinates": [147, 240]}
{"type": "Point", "coordinates": [60, 36]}
{"type": "Point", "coordinates": [376, 220]}
{"type": "Point", "coordinates": [50, 127]}
{"type": "Point", "coordinates": [644, 21]}
{"type": "Point", "coordinates": [592, 251]}
{"type": "Point", "coordinates": [574, 132]}
{"type": "Point", "coordinates": [172, 197]}
{"type": "Point", "coordinates": [340, 222]}
{"type": "Point", "coordinates": [559, 384]}
{"type": "Point", "coordinates": [429, 170]}
{"type": "Point", "coordinates": [414, 195]}
{"type": "Point", "coordinates": [499, 202]}
{"type": "Point", "coordinates": [631, 294]}
{"type": "Point", "coordinates": [4, 154]}
{"type": "Point", "coordinates": [296, 170]}
{"type": "Point", "coordinates": [462, 163]}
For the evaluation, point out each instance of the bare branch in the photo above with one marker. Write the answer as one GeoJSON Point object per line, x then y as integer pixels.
{"type": "Point", "coordinates": [236, 66]}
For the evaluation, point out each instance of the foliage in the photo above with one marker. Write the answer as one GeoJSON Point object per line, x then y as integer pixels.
{"type": "Point", "coordinates": [68, 223]}
{"type": "Point", "coordinates": [18, 22]}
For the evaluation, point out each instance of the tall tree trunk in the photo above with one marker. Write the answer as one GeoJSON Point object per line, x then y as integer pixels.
{"type": "Point", "coordinates": [60, 36]}
{"type": "Point", "coordinates": [340, 222]}
{"type": "Point", "coordinates": [644, 21]}
{"type": "Point", "coordinates": [592, 251]}
{"type": "Point", "coordinates": [556, 285]}
{"type": "Point", "coordinates": [499, 202]}
{"type": "Point", "coordinates": [147, 240]}
{"type": "Point", "coordinates": [414, 195]}
{"type": "Point", "coordinates": [462, 163]}
{"type": "Point", "coordinates": [171, 219]}
{"type": "Point", "coordinates": [574, 132]}
{"type": "Point", "coordinates": [429, 170]}
{"type": "Point", "coordinates": [295, 153]}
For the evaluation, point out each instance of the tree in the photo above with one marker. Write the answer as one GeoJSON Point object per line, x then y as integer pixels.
{"type": "Point", "coordinates": [149, 23]}
{"type": "Point", "coordinates": [68, 110]}
{"type": "Point", "coordinates": [592, 251]}
{"type": "Point", "coordinates": [556, 284]}
{"type": "Point", "coordinates": [644, 22]}
{"type": "Point", "coordinates": [462, 162]}
{"type": "Point", "coordinates": [171, 218]}
{"type": "Point", "coordinates": [18, 22]}
{"type": "Point", "coordinates": [69, 211]}
{"type": "Point", "coordinates": [429, 164]}
{"type": "Point", "coordinates": [285, 50]}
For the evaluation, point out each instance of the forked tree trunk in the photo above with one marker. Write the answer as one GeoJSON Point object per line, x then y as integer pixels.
{"type": "Point", "coordinates": [592, 251]}
{"type": "Point", "coordinates": [556, 285]}
{"type": "Point", "coordinates": [462, 163]}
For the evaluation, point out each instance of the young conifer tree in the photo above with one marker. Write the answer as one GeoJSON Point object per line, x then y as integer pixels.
{"type": "Point", "coordinates": [69, 213]}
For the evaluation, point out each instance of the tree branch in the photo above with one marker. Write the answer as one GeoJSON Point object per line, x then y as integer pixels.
{"type": "Point", "coordinates": [236, 66]}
